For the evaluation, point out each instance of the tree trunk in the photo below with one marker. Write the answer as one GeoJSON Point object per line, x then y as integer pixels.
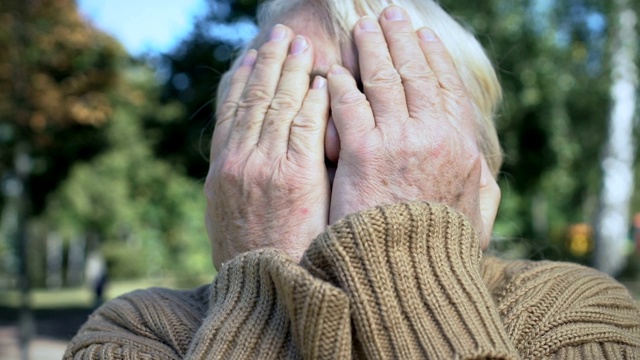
{"type": "Point", "coordinates": [55, 252]}
{"type": "Point", "coordinates": [617, 163]}
{"type": "Point", "coordinates": [77, 255]}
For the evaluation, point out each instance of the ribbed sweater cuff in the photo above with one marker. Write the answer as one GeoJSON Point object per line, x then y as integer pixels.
{"type": "Point", "coordinates": [264, 305]}
{"type": "Point", "coordinates": [412, 273]}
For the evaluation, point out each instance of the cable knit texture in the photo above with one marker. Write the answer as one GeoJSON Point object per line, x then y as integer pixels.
{"type": "Point", "coordinates": [404, 281]}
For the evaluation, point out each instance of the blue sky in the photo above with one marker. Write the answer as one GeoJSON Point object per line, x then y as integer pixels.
{"type": "Point", "coordinates": [144, 25]}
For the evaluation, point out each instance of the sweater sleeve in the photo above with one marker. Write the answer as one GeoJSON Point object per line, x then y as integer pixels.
{"type": "Point", "coordinates": [412, 274]}
{"type": "Point", "coordinates": [418, 289]}
{"type": "Point", "coordinates": [265, 306]}
{"type": "Point", "coordinates": [144, 324]}
{"type": "Point", "coordinates": [262, 305]}
{"type": "Point", "coordinates": [565, 311]}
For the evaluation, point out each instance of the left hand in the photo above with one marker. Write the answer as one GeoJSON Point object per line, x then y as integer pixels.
{"type": "Point", "coordinates": [411, 134]}
{"type": "Point", "coordinates": [267, 184]}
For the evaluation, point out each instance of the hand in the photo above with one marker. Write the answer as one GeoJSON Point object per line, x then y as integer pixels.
{"type": "Point", "coordinates": [490, 196]}
{"type": "Point", "coordinates": [411, 135]}
{"type": "Point", "coordinates": [267, 184]}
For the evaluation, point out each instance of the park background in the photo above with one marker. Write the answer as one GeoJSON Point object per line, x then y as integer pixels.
{"type": "Point", "coordinates": [104, 146]}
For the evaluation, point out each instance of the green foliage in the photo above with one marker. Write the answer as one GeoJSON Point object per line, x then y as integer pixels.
{"type": "Point", "coordinates": [551, 60]}
{"type": "Point", "coordinates": [194, 69]}
{"type": "Point", "coordinates": [147, 215]}
{"type": "Point", "coordinates": [71, 97]}
{"type": "Point", "coordinates": [55, 71]}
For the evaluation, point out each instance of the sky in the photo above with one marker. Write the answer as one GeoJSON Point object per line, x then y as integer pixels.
{"type": "Point", "coordinates": [144, 26]}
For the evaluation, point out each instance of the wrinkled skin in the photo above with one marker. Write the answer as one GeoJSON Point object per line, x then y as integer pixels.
{"type": "Point", "coordinates": [267, 184]}
{"type": "Point", "coordinates": [407, 136]}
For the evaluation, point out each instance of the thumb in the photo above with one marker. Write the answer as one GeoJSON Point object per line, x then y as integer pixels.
{"type": "Point", "coordinates": [489, 202]}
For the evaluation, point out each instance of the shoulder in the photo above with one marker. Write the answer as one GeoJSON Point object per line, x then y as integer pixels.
{"type": "Point", "coordinates": [553, 305]}
{"type": "Point", "coordinates": [505, 278]}
{"type": "Point", "coordinates": [154, 306]}
{"type": "Point", "coordinates": [161, 319]}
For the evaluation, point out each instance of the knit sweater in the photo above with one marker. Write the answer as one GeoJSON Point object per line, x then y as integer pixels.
{"type": "Point", "coordinates": [404, 281]}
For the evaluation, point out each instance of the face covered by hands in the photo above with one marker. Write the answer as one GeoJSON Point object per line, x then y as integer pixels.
{"type": "Point", "coordinates": [407, 136]}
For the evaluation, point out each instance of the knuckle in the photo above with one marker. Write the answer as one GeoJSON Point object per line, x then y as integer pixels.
{"type": "Point", "coordinates": [285, 101]}
{"type": "Point", "coordinates": [269, 55]}
{"type": "Point", "coordinates": [448, 144]}
{"type": "Point", "coordinates": [294, 69]}
{"type": "Point", "coordinates": [383, 76]}
{"type": "Point", "coordinates": [452, 84]}
{"type": "Point", "coordinates": [228, 170]}
{"type": "Point", "coordinates": [415, 69]}
{"type": "Point", "coordinates": [211, 186]}
{"type": "Point", "coordinates": [305, 122]}
{"type": "Point", "coordinates": [226, 111]}
{"type": "Point", "coordinates": [255, 95]}
{"type": "Point", "coordinates": [351, 98]}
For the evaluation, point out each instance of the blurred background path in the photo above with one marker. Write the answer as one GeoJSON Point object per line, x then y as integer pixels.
{"type": "Point", "coordinates": [42, 348]}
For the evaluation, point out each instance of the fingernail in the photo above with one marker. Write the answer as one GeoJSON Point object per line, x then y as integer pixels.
{"type": "Point", "coordinates": [337, 70]}
{"type": "Point", "coordinates": [427, 34]}
{"type": "Point", "coordinates": [368, 24]}
{"type": "Point", "coordinates": [299, 45]}
{"type": "Point", "coordinates": [319, 83]}
{"type": "Point", "coordinates": [279, 32]}
{"type": "Point", "coordinates": [249, 58]}
{"type": "Point", "coordinates": [393, 13]}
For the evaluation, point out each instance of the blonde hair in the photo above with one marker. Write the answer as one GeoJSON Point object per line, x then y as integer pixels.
{"type": "Point", "coordinates": [338, 17]}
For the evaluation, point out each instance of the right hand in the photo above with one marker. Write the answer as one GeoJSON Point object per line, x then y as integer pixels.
{"type": "Point", "coordinates": [410, 135]}
{"type": "Point", "coordinates": [267, 184]}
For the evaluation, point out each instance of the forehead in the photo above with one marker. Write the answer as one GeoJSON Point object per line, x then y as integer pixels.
{"type": "Point", "coordinates": [328, 50]}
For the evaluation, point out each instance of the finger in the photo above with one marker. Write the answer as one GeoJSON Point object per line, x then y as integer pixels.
{"type": "Point", "coordinates": [490, 196]}
{"type": "Point", "coordinates": [350, 109]}
{"type": "Point", "coordinates": [442, 65]}
{"type": "Point", "coordinates": [260, 89]}
{"type": "Point", "coordinates": [289, 96]}
{"type": "Point", "coordinates": [332, 142]}
{"type": "Point", "coordinates": [419, 81]}
{"type": "Point", "coordinates": [227, 109]}
{"type": "Point", "coordinates": [306, 139]}
{"type": "Point", "coordinates": [380, 79]}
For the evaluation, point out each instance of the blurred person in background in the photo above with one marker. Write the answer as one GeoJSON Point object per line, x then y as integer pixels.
{"type": "Point", "coordinates": [351, 192]}
{"type": "Point", "coordinates": [97, 277]}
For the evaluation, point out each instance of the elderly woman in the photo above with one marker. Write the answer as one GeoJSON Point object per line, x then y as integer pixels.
{"type": "Point", "coordinates": [350, 192]}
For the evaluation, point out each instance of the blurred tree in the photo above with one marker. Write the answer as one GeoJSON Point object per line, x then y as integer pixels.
{"type": "Point", "coordinates": [72, 104]}
{"type": "Point", "coordinates": [145, 213]}
{"type": "Point", "coordinates": [192, 71]}
{"type": "Point", "coordinates": [54, 72]}
{"type": "Point", "coordinates": [552, 61]}
{"type": "Point", "coordinates": [617, 164]}
{"type": "Point", "coordinates": [54, 69]}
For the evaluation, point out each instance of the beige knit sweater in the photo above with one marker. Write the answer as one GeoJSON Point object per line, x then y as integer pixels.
{"type": "Point", "coordinates": [397, 282]}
